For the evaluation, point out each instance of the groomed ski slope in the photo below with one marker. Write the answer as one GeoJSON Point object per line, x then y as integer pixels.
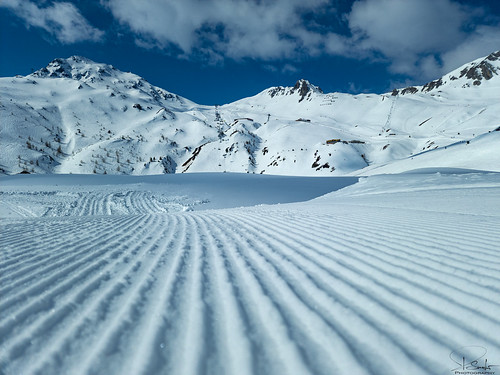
{"type": "Point", "coordinates": [386, 276]}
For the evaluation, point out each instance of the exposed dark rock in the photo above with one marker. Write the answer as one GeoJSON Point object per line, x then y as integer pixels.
{"type": "Point", "coordinates": [482, 70]}
{"type": "Point", "coordinates": [475, 72]}
{"type": "Point", "coordinates": [432, 85]}
{"type": "Point", "coordinates": [302, 87]}
{"type": "Point", "coordinates": [188, 162]}
{"type": "Point", "coordinates": [316, 162]}
{"type": "Point", "coordinates": [169, 164]}
{"type": "Point", "coordinates": [275, 91]}
{"type": "Point", "coordinates": [423, 122]}
{"type": "Point", "coordinates": [409, 90]}
{"type": "Point", "coordinates": [487, 70]}
{"type": "Point", "coordinates": [494, 56]}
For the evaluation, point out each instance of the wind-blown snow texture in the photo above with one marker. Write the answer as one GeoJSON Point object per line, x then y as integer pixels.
{"type": "Point", "coordinates": [77, 116]}
{"type": "Point", "coordinates": [386, 276]}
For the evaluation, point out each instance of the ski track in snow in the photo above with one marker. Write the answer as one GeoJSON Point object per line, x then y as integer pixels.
{"type": "Point", "coordinates": [263, 290]}
{"type": "Point", "coordinates": [93, 203]}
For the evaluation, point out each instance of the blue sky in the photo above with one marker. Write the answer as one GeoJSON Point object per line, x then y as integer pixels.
{"type": "Point", "coordinates": [218, 51]}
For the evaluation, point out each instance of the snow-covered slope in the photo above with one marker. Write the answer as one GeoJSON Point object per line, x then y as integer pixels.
{"type": "Point", "coordinates": [393, 275]}
{"type": "Point", "coordinates": [81, 117]}
{"type": "Point", "coordinates": [77, 116]}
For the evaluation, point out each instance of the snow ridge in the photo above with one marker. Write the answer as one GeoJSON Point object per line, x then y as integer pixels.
{"type": "Point", "coordinates": [78, 116]}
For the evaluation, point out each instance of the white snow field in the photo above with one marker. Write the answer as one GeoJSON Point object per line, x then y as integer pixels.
{"type": "Point", "coordinates": [396, 274]}
{"type": "Point", "coordinates": [82, 117]}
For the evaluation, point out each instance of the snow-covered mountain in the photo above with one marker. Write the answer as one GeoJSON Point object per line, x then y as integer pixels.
{"type": "Point", "coordinates": [78, 116]}
{"type": "Point", "coordinates": [241, 273]}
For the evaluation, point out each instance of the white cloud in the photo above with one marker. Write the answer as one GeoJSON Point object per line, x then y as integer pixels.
{"type": "Point", "coordinates": [417, 38]}
{"type": "Point", "coordinates": [289, 69]}
{"type": "Point", "coordinates": [422, 39]}
{"type": "Point", "coordinates": [266, 29]}
{"type": "Point", "coordinates": [407, 26]}
{"type": "Point", "coordinates": [61, 19]}
{"type": "Point", "coordinates": [481, 42]}
{"type": "Point", "coordinates": [335, 44]}
{"type": "Point", "coordinates": [404, 30]}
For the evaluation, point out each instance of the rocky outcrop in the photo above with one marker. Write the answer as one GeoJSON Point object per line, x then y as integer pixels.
{"type": "Point", "coordinates": [303, 88]}
{"type": "Point", "coordinates": [475, 72]}
{"type": "Point", "coordinates": [482, 70]}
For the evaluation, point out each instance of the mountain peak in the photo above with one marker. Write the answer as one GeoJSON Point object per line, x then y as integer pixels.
{"type": "Point", "coordinates": [303, 88]}
{"type": "Point", "coordinates": [470, 74]}
{"type": "Point", "coordinates": [93, 74]}
{"type": "Point", "coordinates": [75, 67]}
{"type": "Point", "coordinates": [87, 122]}
{"type": "Point", "coordinates": [482, 69]}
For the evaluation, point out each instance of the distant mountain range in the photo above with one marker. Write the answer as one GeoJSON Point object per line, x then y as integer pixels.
{"type": "Point", "coordinates": [78, 116]}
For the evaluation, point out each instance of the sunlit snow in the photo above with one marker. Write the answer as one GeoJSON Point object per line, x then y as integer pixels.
{"type": "Point", "coordinates": [350, 234]}
{"type": "Point", "coordinates": [116, 275]}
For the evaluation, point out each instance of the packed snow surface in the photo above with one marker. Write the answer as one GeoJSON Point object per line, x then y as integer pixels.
{"type": "Point", "coordinates": [394, 274]}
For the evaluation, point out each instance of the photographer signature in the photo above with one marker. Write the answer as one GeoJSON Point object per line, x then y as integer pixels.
{"type": "Point", "coordinates": [469, 357]}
